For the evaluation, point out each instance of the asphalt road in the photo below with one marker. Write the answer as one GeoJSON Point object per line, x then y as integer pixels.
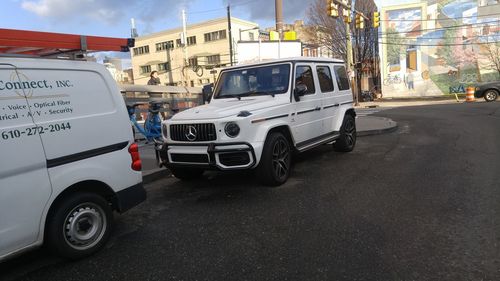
{"type": "Point", "coordinates": [422, 203]}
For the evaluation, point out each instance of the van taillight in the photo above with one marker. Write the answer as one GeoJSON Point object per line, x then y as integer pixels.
{"type": "Point", "coordinates": [133, 149]}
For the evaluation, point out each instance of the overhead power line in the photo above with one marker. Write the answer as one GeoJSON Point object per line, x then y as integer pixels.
{"type": "Point", "coordinates": [219, 9]}
{"type": "Point", "coordinates": [446, 19]}
{"type": "Point", "coordinates": [497, 22]}
{"type": "Point", "coordinates": [438, 45]}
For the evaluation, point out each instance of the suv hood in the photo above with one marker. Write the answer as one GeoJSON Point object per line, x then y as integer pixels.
{"type": "Point", "coordinates": [227, 107]}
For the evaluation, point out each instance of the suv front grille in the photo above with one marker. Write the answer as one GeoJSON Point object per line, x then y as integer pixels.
{"type": "Point", "coordinates": [193, 132]}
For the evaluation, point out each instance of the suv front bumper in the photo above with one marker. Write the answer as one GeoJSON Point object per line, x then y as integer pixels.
{"type": "Point", "coordinates": [221, 156]}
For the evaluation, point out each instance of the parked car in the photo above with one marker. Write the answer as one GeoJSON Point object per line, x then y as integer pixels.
{"type": "Point", "coordinates": [259, 115]}
{"type": "Point", "coordinates": [489, 91]}
{"type": "Point", "coordinates": [68, 156]}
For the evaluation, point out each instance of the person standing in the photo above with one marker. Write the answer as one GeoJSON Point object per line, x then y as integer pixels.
{"type": "Point", "coordinates": [154, 79]}
{"type": "Point", "coordinates": [410, 81]}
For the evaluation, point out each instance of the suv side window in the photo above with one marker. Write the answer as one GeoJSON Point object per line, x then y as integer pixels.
{"type": "Point", "coordinates": [325, 79]}
{"type": "Point", "coordinates": [342, 78]}
{"type": "Point", "coordinates": [304, 75]}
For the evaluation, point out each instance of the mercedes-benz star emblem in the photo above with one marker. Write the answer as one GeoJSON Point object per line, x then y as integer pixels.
{"type": "Point", "coordinates": [190, 133]}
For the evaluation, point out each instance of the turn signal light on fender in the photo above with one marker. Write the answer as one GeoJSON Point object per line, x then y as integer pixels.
{"type": "Point", "coordinates": [133, 149]}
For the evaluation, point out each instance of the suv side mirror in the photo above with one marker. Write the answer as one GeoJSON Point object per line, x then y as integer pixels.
{"type": "Point", "coordinates": [299, 91]}
{"type": "Point", "coordinates": [207, 92]}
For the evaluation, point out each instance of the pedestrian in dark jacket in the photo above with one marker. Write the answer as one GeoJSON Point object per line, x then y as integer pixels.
{"type": "Point", "coordinates": [154, 79]}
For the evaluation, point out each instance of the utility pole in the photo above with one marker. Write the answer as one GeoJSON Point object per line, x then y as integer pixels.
{"type": "Point", "coordinates": [230, 33]}
{"type": "Point", "coordinates": [184, 47]}
{"type": "Point", "coordinates": [278, 6]}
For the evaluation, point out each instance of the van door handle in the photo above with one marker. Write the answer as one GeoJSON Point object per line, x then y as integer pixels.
{"type": "Point", "coordinates": [317, 108]}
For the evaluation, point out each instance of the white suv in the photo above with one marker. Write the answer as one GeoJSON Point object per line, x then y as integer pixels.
{"type": "Point", "coordinates": [259, 115]}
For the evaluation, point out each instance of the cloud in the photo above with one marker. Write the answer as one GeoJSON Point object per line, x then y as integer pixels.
{"type": "Point", "coordinates": [264, 9]}
{"type": "Point", "coordinates": [108, 11]}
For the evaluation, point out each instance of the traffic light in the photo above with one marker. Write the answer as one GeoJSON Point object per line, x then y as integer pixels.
{"type": "Point", "coordinates": [332, 8]}
{"type": "Point", "coordinates": [376, 19]}
{"type": "Point", "coordinates": [360, 22]}
{"type": "Point", "coordinates": [347, 15]}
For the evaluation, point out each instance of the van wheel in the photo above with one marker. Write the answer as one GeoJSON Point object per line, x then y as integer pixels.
{"type": "Point", "coordinates": [347, 139]}
{"type": "Point", "coordinates": [80, 225]}
{"type": "Point", "coordinates": [275, 162]}
{"type": "Point", "coordinates": [186, 173]}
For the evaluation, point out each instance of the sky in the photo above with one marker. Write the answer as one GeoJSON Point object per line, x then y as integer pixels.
{"type": "Point", "coordinates": [112, 17]}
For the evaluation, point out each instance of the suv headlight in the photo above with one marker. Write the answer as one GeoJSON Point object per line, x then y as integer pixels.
{"type": "Point", "coordinates": [232, 129]}
{"type": "Point", "coordinates": [164, 130]}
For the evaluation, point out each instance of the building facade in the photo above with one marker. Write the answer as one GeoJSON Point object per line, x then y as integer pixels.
{"type": "Point", "coordinates": [438, 47]}
{"type": "Point", "coordinates": [206, 47]}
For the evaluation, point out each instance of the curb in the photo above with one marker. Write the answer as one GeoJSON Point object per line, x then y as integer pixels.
{"type": "Point", "coordinates": [378, 132]}
{"type": "Point", "coordinates": [393, 126]}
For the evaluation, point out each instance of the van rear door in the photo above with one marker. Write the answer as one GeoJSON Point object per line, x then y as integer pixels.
{"type": "Point", "coordinates": [24, 182]}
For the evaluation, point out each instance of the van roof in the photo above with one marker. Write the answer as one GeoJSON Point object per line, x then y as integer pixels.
{"type": "Point", "coordinates": [293, 59]}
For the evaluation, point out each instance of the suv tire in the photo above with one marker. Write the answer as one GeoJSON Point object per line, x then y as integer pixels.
{"type": "Point", "coordinates": [347, 139]}
{"type": "Point", "coordinates": [276, 160]}
{"type": "Point", "coordinates": [79, 226]}
{"type": "Point", "coordinates": [186, 174]}
{"type": "Point", "coordinates": [490, 95]}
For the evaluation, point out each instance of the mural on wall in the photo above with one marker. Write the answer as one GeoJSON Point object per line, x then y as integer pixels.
{"type": "Point", "coordinates": [438, 47]}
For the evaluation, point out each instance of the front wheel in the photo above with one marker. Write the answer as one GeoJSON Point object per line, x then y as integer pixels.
{"type": "Point", "coordinates": [79, 226]}
{"type": "Point", "coordinates": [276, 160]}
{"type": "Point", "coordinates": [490, 95]}
{"type": "Point", "coordinates": [347, 138]}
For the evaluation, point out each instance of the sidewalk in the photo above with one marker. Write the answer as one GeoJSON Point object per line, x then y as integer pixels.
{"type": "Point", "coordinates": [366, 126]}
{"type": "Point", "coordinates": [412, 101]}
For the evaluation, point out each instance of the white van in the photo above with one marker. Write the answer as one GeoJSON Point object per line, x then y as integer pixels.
{"type": "Point", "coordinates": [67, 156]}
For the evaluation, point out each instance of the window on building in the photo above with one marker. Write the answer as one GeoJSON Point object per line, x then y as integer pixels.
{"type": "Point", "coordinates": [250, 36]}
{"type": "Point", "coordinates": [342, 78]}
{"type": "Point", "coordinates": [216, 35]}
{"type": "Point", "coordinates": [164, 45]}
{"type": "Point", "coordinates": [191, 40]}
{"type": "Point", "coordinates": [193, 61]}
{"type": "Point", "coordinates": [141, 50]}
{"type": "Point", "coordinates": [215, 59]}
{"type": "Point", "coordinates": [164, 66]}
{"type": "Point", "coordinates": [303, 75]}
{"type": "Point", "coordinates": [145, 69]}
{"type": "Point", "coordinates": [178, 43]}
{"type": "Point", "coordinates": [325, 79]}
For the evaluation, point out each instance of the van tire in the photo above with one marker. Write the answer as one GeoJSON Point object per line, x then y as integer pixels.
{"type": "Point", "coordinates": [186, 174]}
{"type": "Point", "coordinates": [276, 160]}
{"type": "Point", "coordinates": [347, 138]}
{"type": "Point", "coordinates": [92, 212]}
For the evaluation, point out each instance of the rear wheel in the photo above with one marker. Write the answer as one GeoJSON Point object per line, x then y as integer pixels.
{"type": "Point", "coordinates": [347, 139]}
{"type": "Point", "coordinates": [80, 225]}
{"type": "Point", "coordinates": [490, 95]}
{"type": "Point", "coordinates": [275, 163]}
{"type": "Point", "coordinates": [186, 173]}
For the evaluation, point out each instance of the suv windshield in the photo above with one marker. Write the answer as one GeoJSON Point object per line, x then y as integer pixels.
{"type": "Point", "coordinates": [264, 80]}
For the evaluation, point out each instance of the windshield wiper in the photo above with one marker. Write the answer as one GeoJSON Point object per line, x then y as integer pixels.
{"type": "Point", "coordinates": [261, 93]}
{"type": "Point", "coordinates": [229, 96]}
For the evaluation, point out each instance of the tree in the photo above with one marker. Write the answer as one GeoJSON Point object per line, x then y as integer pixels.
{"type": "Point", "coordinates": [395, 44]}
{"type": "Point", "coordinates": [326, 31]}
{"type": "Point", "coordinates": [492, 55]}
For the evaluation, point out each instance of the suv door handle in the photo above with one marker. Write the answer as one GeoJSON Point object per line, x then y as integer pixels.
{"type": "Point", "coordinates": [317, 108]}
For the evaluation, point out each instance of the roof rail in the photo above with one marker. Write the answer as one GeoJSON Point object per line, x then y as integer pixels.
{"type": "Point", "coordinates": [47, 44]}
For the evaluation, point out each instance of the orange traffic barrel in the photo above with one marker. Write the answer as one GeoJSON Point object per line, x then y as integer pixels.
{"type": "Point", "coordinates": [469, 96]}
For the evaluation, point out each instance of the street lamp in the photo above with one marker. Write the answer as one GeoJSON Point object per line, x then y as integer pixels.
{"type": "Point", "coordinates": [242, 30]}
